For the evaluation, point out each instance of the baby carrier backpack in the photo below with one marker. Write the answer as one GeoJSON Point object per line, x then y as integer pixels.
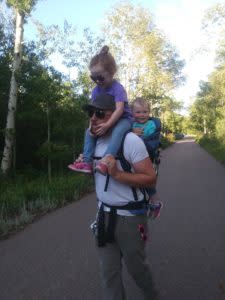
{"type": "Point", "coordinates": [153, 144]}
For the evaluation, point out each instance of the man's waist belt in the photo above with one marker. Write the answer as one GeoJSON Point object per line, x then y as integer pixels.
{"type": "Point", "coordinates": [107, 236]}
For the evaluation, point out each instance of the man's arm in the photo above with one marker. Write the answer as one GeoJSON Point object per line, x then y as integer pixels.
{"type": "Point", "coordinates": [144, 174]}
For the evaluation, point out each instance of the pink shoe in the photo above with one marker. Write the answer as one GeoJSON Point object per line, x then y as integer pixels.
{"type": "Point", "coordinates": [102, 168]}
{"type": "Point", "coordinates": [154, 210]}
{"type": "Point", "coordinates": [81, 167]}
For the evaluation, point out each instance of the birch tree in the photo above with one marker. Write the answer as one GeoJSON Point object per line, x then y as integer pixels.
{"type": "Point", "coordinates": [21, 8]}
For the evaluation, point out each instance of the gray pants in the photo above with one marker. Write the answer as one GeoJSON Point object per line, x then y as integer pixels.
{"type": "Point", "coordinates": [131, 247]}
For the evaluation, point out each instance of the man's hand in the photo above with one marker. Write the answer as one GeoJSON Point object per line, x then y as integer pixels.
{"type": "Point", "coordinates": [112, 166]}
{"type": "Point", "coordinates": [138, 131]}
{"type": "Point", "coordinates": [144, 174]}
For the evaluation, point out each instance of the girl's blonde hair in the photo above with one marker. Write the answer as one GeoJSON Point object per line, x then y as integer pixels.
{"type": "Point", "coordinates": [105, 58]}
{"type": "Point", "coordinates": [141, 101]}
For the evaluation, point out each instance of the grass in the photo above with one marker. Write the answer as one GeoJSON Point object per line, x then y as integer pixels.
{"type": "Point", "coordinates": [22, 201]}
{"type": "Point", "coordinates": [214, 146]}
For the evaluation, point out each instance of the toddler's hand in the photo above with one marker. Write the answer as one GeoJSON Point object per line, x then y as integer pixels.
{"type": "Point", "coordinates": [138, 131]}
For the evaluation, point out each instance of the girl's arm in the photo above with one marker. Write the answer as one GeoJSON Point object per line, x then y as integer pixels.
{"type": "Point", "coordinates": [116, 114]}
{"type": "Point", "coordinates": [113, 119]}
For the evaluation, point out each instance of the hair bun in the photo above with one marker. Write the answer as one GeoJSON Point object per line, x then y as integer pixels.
{"type": "Point", "coordinates": [104, 50]}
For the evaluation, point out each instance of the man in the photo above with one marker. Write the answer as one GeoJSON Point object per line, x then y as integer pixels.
{"type": "Point", "coordinates": [122, 220]}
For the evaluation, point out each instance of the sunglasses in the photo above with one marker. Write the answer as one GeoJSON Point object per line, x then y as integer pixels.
{"type": "Point", "coordinates": [142, 232]}
{"type": "Point", "coordinates": [98, 78]}
{"type": "Point", "coordinates": [99, 113]}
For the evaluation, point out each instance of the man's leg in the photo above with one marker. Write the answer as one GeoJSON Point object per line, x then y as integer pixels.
{"type": "Point", "coordinates": [132, 246]}
{"type": "Point", "coordinates": [111, 271]}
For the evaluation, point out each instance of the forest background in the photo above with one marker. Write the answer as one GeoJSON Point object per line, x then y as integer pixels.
{"type": "Point", "coordinates": [41, 119]}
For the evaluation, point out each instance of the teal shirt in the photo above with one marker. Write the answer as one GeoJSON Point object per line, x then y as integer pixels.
{"type": "Point", "coordinates": [149, 127]}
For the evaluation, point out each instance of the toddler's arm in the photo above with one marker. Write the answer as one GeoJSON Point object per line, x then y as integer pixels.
{"type": "Point", "coordinates": [138, 131]}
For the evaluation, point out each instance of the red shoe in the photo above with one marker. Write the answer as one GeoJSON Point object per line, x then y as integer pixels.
{"type": "Point", "coordinates": [83, 167]}
{"type": "Point", "coordinates": [102, 168]}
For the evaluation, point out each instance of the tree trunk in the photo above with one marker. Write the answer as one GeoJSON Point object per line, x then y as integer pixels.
{"type": "Point", "coordinates": [49, 141]}
{"type": "Point", "coordinates": [10, 123]}
{"type": "Point", "coordinates": [204, 126]}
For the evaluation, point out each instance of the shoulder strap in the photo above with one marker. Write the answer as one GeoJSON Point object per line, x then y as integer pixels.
{"type": "Point", "coordinates": [125, 164]}
{"type": "Point", "coordinates": [157, 122]}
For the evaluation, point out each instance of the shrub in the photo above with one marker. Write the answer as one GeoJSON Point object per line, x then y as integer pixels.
{"type": "Point", "coordinates": [21, 201]}
{"type": "Point", "coordinates": [167, 140]}
{"type": "Point", "coordinates": [214, 146]}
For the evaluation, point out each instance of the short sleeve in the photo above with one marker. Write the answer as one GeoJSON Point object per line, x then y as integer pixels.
{"type": "Point", "coordinates": [93, 94]}
{"type": "Point", "coordinates": [134, 148]}
{"type": "Point", "coordinates": [120, 93]}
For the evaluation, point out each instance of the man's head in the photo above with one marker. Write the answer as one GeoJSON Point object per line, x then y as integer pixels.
{"type": "Point", "coordinates": [100, 110]}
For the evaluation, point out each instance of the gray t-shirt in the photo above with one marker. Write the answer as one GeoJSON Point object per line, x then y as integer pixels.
{"type": "Point", "coordinates": [118, 193]}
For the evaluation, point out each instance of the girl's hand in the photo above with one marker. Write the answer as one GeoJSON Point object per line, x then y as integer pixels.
{"type": "Point", "coordinates": [101, 129]}
{"type": "Point", "coordinates": [138, 131]}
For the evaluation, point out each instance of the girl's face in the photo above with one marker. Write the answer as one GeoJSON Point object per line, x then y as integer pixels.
{"type": "Point", "coordinates": [141, 113]}
{"type": "Point", "coordinates": [100, 76]}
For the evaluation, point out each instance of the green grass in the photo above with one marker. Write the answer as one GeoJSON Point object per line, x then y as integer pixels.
{"type": "Point", "coordinates": [22, 201]}
{"type": "Point", "coordinates": [214, 146]}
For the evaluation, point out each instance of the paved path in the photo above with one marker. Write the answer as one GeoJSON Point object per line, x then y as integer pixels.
{"type": "Point", "coordinates": [55, 257]}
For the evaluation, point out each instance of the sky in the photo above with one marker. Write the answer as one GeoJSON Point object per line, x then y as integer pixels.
{"type": "Point", "coordinates": [180, 20]}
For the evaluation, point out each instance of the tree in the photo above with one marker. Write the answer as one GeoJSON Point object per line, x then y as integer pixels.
{"type": "Point", "coordinates": [22, 9]}
{"type": "Point", "coordinates": [52, 110]}
{"type": "Point", "coordinates": [213, 26]}
{"type": "Point", "coordinates": [204, 112]}
{"type": "Point", "coordinates": [149, 65]}
{"type": "Point", "coordinates": [6, 52]}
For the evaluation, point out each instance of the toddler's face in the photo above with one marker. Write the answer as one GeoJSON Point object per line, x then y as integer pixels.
{"type": "Point", "coordinates": [140, 113]}
{"type": "Point", "coordinates": [100, 76]}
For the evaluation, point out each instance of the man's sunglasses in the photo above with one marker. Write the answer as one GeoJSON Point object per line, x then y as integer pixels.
{"type": "Point", "coordinates": [96, 78]}
{"type": "Point", "coordinates": [99, 113]}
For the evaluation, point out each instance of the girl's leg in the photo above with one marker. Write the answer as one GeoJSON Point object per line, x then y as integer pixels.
{"type": "Point", "coordinates": [118, 132]}
{"type": "Point", "coordinates": [89, 147]}
{"type": "Point", "coordinates": [122, 126]}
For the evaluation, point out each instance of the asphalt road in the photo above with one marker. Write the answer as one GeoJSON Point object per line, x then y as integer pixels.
{"type": "Point", "coordinates": [55, 258]}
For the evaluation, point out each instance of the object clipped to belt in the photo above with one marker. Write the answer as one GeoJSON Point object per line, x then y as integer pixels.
{"type": "Point", "coordinates": [105, 234]}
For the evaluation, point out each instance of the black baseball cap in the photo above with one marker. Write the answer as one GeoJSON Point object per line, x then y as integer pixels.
{"type": "Point", "coordinates": [102, 101]}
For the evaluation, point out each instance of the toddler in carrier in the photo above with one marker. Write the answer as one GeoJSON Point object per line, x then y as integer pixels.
{"type": "Point", "coordinates": [145, 127]}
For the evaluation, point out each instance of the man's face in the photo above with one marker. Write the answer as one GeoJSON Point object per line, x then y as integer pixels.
{"type": "Point", "coordinates": [98, 117]}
